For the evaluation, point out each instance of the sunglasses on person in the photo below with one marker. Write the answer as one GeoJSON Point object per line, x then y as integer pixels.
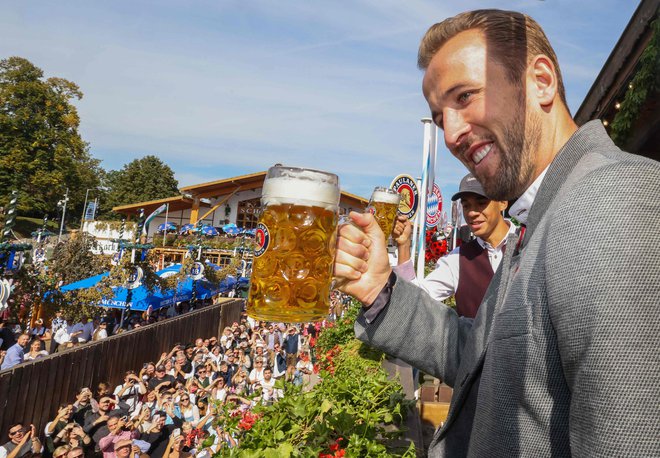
{"type": "Point", "coordinates": [16, 431]}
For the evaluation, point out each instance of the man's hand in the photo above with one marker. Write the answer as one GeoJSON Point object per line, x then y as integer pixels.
{"type": "Point", "coordinates": [401, 235]}
{"type": "Point", "coordinates": [61, 413]}
{"type": "Point", "coordinates": [402, 231]}
{"type": "Point", "coordinates": [362, 265]}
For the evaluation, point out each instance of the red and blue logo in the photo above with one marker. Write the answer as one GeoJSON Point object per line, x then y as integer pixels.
{"type": "Point", "coordinates": [262, 239]}
{"type": "Point", "coordinates": [406, 186]}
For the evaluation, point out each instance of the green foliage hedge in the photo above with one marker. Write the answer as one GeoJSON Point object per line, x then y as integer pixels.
{"type": "Point", "coordinates": [356, 411]}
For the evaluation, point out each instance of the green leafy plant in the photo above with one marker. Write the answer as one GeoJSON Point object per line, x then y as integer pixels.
{"type": "Point", "coordinates": [645, 83]}
{"type": "Point", "coordinates": [355, 411]}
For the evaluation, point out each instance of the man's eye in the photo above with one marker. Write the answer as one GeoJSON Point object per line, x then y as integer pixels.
{"type": "Point", "coordinates": [464, 97]}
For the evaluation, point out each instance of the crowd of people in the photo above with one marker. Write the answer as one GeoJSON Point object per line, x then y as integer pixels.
{"type": "Point", "coordinates": [167, 407]}
{"type": "Point", "coordinates": [65, 332]}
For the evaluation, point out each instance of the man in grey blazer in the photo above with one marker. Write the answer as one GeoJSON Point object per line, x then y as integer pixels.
{"type": "Point", "coordinates": [563, 357]}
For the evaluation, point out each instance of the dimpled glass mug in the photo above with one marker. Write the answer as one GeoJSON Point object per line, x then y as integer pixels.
{"type": "Point", "coordinates": [295, 246]}
{"type": "Point", "coordinates": [383, 205]}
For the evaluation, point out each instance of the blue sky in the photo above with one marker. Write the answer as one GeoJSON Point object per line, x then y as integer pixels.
{"type": "Point", "coordinates": [222, 88]}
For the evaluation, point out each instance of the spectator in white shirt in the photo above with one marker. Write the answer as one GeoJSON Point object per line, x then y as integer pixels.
{"type": "Point", "coordinates": [477, 260]}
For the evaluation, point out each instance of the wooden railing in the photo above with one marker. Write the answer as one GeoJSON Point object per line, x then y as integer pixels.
{"type": "Point", "coordinates": [32, 392]}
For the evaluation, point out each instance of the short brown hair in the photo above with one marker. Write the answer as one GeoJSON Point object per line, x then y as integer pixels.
{"type": "Point", "coordinates": [510, 35]}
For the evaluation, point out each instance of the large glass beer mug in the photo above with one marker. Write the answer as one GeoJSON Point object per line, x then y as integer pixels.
{"type": "Point", "coordinates": [295, 246]}
{"type": "Point", "coordinates": [383, 205]}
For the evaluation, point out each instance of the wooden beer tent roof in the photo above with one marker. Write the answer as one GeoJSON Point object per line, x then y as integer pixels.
{"type": "Point", "coordinates": [217, 188]}
{"type": "Point", "coordinates": [176, 203]}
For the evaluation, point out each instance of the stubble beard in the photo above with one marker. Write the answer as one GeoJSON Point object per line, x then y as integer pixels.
{"type": "Point", "coordinates": [517, 151]}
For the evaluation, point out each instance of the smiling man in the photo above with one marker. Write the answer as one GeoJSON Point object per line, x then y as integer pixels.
{"type": "Point", "coordinates": [561, 358]}
{"type": "Point", "coordinates": [467, 271]}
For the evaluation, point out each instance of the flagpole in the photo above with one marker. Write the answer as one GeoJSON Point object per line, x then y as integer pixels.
{"type": "Point", "coordinates": [428, 163]}
{"type": "Point", "coordinates": [167, 213]}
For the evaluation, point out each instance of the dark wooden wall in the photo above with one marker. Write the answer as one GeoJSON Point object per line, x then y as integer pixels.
{"type": "Point", "coordinates": [32, 392]}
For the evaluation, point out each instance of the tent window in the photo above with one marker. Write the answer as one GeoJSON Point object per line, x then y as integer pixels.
{"type": "Point", "coordinates": [248, 213]}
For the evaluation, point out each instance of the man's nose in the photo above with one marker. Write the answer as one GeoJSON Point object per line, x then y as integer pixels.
{"type": "Point", "coordinates": [455, 129]}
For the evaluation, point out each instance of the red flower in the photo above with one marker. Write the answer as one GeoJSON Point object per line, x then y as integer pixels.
{"type": "Point", "coordinates": [341, 452]}
{"type": "Point", "coordinates": [334, 447]}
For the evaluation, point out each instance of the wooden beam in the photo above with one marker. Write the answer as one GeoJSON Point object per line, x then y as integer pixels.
{"type": "Point", "coordinates": [215, 207]}
{"type": "Point", "coordinates": [194, 211]}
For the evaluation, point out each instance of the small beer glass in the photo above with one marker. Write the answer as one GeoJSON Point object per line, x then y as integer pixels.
{"type": "Point", "coordinates": [383, 205]}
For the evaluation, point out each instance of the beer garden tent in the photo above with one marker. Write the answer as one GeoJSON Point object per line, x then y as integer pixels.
{"type": "Point", "coordinates": [141, 298]}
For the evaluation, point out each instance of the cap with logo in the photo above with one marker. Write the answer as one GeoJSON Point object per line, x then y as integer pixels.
{"type": "Point", "coordinates": [469, 184]}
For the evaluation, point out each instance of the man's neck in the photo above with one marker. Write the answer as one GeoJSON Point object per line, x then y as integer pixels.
{"type": "Point", "coordinates": [498, 234]}
{"type": "Point", "coordinates": [557, 132]}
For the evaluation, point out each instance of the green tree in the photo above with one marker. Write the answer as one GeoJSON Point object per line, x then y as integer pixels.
{"type": "Point", "coordinates": [140, 180]}
{"type": "Point", "coordinates": [73, 259]}
{"type": "Point", "coordinates": [41, 151]}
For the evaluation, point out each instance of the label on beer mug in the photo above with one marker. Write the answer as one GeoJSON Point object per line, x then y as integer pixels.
{"type": "Point", "coordinates": [262, 239]}
{"type": "Point", "coordinates": [406, 186]}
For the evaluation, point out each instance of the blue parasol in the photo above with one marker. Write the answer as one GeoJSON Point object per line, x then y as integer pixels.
{"type": "Point", "coordinates": [231, 229]}
{"type": "Point", "coordinates": [142, 298]}
{"type": "Point", "coordinates": [210, 231]}
{"type": "Point", "coordinates": [171, 227]}
{"type": "Point", "coordinates": [187, 228]}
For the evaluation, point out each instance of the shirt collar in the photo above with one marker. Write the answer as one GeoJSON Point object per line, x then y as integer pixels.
{"type": "Point", "coordinates": [520, 210]}
{"type": "Point", "coordinates": [485, 245]}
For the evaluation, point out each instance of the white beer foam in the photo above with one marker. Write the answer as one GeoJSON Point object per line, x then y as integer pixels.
{"type": "Point", "coordinates": [290, 190]}
{"type": "Point", "coordinates": [382, 196]}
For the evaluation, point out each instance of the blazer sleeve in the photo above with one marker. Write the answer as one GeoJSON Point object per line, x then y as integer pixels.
{"type": "Point", "coordinates": [603, 272]}
{"type": "Point", "coordinates": [419, 330]}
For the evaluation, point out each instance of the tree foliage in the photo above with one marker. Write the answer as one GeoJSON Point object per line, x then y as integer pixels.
{"type": "Point", "coordinates": [73, 260]}
{"type": "Point", "coordinates": [644, 84]}
{"type": "Point", "coordinates": [140, 180]}
{"type": "Point", "coordinates": [41, 150]}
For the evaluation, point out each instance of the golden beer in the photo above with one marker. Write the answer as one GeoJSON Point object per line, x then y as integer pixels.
{"type": "Point", "coordinates": [383, 205]}
{"type": "Point", "coordinates": [295, 238]}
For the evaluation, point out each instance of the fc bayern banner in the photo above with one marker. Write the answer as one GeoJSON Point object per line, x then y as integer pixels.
{"type": "Point", "coordinates": [434, 207]}
{"type": "Point", "coordinates": [151, 217]}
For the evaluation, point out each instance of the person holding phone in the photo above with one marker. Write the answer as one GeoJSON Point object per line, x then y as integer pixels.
{"type": "Point", "coordinates": [130, 391]}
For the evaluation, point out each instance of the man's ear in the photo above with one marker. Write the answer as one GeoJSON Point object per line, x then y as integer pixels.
{"type": "Point", "coordinates": [543, 78]}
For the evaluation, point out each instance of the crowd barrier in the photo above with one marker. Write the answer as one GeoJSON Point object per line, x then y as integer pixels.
{"type": "Point", "coordinates": [32, 392]}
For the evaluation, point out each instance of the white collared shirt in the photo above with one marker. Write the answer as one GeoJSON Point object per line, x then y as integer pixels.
{"type": "Point", "coordinates": [443, 281]}
{"type": "Point", "coordinates": [520, 210]}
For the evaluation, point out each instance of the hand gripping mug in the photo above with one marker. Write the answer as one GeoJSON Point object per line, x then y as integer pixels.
{"type": "Point", "coordinates": [295, 246]}
{"type": "Point", "coordinates": [383, 205]}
